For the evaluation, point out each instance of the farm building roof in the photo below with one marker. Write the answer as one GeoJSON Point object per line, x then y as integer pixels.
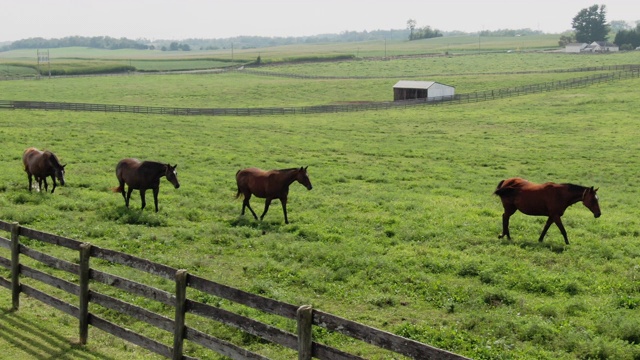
{"type": "Point", "coordinates": [409, 84]}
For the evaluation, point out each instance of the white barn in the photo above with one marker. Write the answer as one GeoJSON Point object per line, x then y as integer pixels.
{"type": "Point", "coordinates": [428, 90]}
{"type": "Point", "coordinates": [575, 47]}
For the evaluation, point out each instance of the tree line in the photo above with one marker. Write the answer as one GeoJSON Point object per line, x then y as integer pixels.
{"type": "Point", "coordinates": [97, 42]}
{"type": "Point", "coordinates": [425, 32]}
{"type": "Point", "coordinates": [628, 39]}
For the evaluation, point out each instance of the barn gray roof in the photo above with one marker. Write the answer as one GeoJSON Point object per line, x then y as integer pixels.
{"type": "Point", "coordinates": [408, 84]}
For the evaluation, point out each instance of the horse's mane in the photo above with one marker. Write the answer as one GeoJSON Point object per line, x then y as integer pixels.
{"type": "Point", "coordinates": [575, 188]}
{"type": "Point", "coordinates": [54, 159]}
{"type": "Point", "coordinates": [506, 191]}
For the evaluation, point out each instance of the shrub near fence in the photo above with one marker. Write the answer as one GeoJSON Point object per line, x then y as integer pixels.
{"type": "Point", "coordinates": [305, 316]}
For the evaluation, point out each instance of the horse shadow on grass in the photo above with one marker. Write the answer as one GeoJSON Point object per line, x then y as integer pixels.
{"type": "Point", "coordinates": [264, 226]}
{"type": "Point", "coordinates": [536, 245]}
{"type": "Point", "coordinates": [125, 215]}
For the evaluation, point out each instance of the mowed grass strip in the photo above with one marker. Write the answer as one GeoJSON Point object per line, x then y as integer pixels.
{"type": "Point", "coordinates": [400, 230]}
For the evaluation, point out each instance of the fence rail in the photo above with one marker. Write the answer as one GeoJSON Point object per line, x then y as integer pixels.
{"type": "Point", "coordinates": [625, 72]}
{"type": "Point", "coordinates": [305, 316]}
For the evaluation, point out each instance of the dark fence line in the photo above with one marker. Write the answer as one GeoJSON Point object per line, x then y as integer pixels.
{"type": "Point", "coordinates": [249, 69]}
{"type": "Point", "coordinates": [551, 71]}
{"type": "Point", "coordinates": [305, 316]}
{"type": "Point", "coordinates": [629, 72]}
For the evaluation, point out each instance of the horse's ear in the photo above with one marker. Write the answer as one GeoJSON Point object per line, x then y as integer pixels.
{"type": "Point", "coordinates": [63, 165]}
{"type": "Point", "coordinates": [175, 166]}
{"type": "Point", "coordinates": [305, 168]}
{"type": "Point", "coordinates": [595, 189]}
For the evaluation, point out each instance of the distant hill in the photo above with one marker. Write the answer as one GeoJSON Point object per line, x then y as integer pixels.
{"type": "Point", "coordinates": [239, 42]}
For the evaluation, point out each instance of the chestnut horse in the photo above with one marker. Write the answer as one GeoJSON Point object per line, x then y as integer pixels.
{"type": "Point", "coordinates": [143, 175]}
{"type": "Point", "coordinates": [41, 164]}
{"type": "Point", "coordinates": [270, 185]}
{"type": "Point", "coordinates": [548, 199]}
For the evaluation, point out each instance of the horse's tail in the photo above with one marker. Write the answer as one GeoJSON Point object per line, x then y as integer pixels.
{"type": "Point", "coordinates": [238, 184]}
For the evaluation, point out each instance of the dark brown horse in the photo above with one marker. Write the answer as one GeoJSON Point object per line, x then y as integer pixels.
{"type": "Point", "coordinates": [270, 185]}
{"type": "Point", "coordinates": [548, 199]}
{"type": "Point", "coordinates": [40, 164]}
{"type": "Point", "coordinates": [143, 175]}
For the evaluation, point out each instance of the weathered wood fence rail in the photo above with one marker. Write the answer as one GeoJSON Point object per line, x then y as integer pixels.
{"type": "Point", "coordinates": [305, 316]}
{"type": "Point", "coordinates": [627, 72]}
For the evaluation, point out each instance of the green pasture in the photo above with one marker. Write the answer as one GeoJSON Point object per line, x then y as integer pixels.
{"type": "Point", "coordinates": [79, 60]}
{"type": "Point", "coordinates": [400, 229]}
{"type": "Point", "coordinates": [363, 81]}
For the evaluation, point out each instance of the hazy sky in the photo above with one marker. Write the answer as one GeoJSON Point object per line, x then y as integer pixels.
{"type": "Point", "coordinates": [182, 19]}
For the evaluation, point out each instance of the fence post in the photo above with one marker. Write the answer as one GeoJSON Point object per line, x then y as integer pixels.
{"type": "Point", "coordinates": [304, 316]}
{"type": "Point", "coordinates": [181, 308]}
{"type": "Point", "coordinates": [85, 255]}
{"type": "Point", "coordinates": [15, 265]}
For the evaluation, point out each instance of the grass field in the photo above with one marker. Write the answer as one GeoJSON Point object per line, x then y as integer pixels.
{"type": "Point", "coordinates": [400, 230]}
{"type": "Point", "coordinates": [76, 60]}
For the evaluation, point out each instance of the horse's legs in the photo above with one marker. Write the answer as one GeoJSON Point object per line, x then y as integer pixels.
{"type": "Point", "coordinates": [284, 209]}
{"type": "Point", "coordinates": [121, 187]}
{"type": "Point", "coordinates": [267, 202]}
{"type": "Point", "coordinates": [30, 180]}
{"type": "Point", "coordinates": [508, 211]}
{"type": "Point", "coordinates": [144, 203]}
{"type": "Point", "coordinates": [546, 227]}
{"type": "Point", "coordinates": [53, 178]}
{"type": "Point", "coordinates": [46, 186]}
{"type": "Point", "coordinates": [558, 222]}
{"type": "Point", "coordinates": [126, 199]}
{"type": "Point", "coordinates": [245, 204]}
{"type": "Point", "coordinates": [155, 197]}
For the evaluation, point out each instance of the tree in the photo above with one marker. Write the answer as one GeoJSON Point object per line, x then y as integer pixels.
{"type": "Point", "coordinates": [567, 39]}
{"type": "Point", "coordinates": [591, 24]}
{"type": "Point", "coordinates": [411, 24]}
{"type": "Point", "coordinates": [628, 39]}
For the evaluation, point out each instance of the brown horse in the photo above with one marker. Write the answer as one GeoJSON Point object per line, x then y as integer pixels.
{"type": "Point", "coordinates": [548, 199]}
{"type": "Point", "coordinates": [270, 185]}
{"type": "Point", "coordinates": [41, 164]}
{"type": "Point", "coordinates": [143, 175]}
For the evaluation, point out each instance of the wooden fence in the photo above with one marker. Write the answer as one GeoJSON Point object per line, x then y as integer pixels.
{"type": "Point", "coordinates": [305, 316]}
{"type": "Point", "coordinates": [626, 72]}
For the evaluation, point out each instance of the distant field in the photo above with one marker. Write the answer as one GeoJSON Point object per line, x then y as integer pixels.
{"type": "Point", "coordinates": [74, 59]}
{"type": "Point", "coordinates": [240, 89]}
{"type": "Point", "coordinates": [400, 230]}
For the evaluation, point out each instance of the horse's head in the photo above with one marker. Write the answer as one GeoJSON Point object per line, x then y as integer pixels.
{"type": "Point", "coordinates": [303, 178]}
{"type": "Point", "coordinates": [590, 200]}
{"type": "Point", "coordinates": [172, 175]}
{"type": "Point", "coordinates": [59, 173]}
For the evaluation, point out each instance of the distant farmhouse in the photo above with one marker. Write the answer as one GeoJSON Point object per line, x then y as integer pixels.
{"type": "Point", "coordinates": [594, 47]}
{"type": "Point", "coordinates": [428, 90]}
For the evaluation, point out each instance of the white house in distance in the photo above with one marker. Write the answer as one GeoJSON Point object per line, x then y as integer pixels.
{"type": "Point", "coordinates": [596, 46]}
{"type": "Point", "coordinates": [428, 90]}
{"type": "Point", "coordinates": [602, 46]}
